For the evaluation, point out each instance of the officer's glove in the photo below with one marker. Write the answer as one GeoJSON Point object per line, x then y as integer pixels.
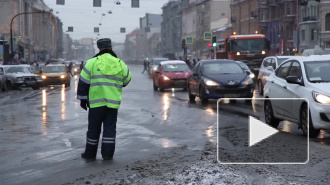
{"type": "Point", "coordinates": [84, 104]}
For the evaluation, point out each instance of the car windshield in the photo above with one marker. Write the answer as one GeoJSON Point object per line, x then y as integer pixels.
{"type": "Point", "coordinates": [318, 71]}
{"type": "Point", "coordinates": [158, 61]}
{"type": "Point", "coordinates": [243, 65]}
{"type": "Point", "coordinates": [175, 68]}
{"type": "Point", "coordinates": [18, 69]}
{"type": "Point", "coordinates": [251, 45]}
{"type": "Point", "coordinates": [54, 69]}
{"type": "Point", "coordinates": [281, 60]}
{"type": "Point", "coordinates": [221, 68]}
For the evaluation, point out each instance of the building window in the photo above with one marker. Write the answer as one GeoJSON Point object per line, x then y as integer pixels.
{"type": "Point", "coordinates": [327, 22]}
{"type": "Point", "coordinates": [288, 8]}
{"type": "Point", "coordinates": [312, 34]}
{"type": "Point", "coordinates": [303, 35]}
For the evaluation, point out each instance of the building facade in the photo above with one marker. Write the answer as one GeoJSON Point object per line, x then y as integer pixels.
{"type": "Point", "coordinates": [244, 16]}
{"type": "Point", "coordinates": [324, 23]}
{"type": "Point", "coordinates": [308, 24]}
{"type": "Point", "coordinates": [36, 36]}
{"type": "Point", "coordinates": [171, 29]}
{"type": "Point", "coordinates": [149, 25]}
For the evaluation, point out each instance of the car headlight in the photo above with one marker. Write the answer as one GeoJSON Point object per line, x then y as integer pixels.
{"type": "Point", "coordinates": [210, 82]}
{"type": "Point", "coordinates": [19, 79]}
{"type": "Point", "coordinates": [155, 68]}
{"type": "Point", "coordinates": [166, 78]}
{"type": "Point", "coordinates": [321, 98]}
{"type": "Point", "coordinates": [249, 81]}
{"type": "Point", "coordinates": [43, 77]}
{"type": "Point", "coordinates": [238, 53]}
{"type": "Point", "coordinates": [263, 52]}
{"type": "Point", "coordinates": [62, 76]}
{"type": "Point", "coordinates": [251, 75]}
{"type": "Point", "coordinates": [75, 70]}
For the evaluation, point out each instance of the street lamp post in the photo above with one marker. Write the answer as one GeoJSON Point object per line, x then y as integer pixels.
{"type": "Point", "coordinates": [11, 28]}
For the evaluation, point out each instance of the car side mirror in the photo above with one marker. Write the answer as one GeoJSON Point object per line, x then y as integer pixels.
{"type": "Point", "coordinates": [270, 68]}
{"type": "Point", "coordinates": [293, 80]}
{"type": "Point", "coordinates": [247, 72]}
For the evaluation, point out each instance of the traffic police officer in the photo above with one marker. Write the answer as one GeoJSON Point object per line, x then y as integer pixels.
{"type": "Point", "coordinates": [100, 89]}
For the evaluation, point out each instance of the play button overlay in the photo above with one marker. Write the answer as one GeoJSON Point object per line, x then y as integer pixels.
{"type": "Point", "coordinates": [259, 131]}
{"type": "Point", "coordinates": [244, 137]}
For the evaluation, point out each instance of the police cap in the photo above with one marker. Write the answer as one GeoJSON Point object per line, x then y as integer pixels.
{"type": "Point", "coordinates": [104, 43]}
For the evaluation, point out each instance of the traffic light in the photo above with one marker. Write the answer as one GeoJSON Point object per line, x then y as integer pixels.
{"type": "Point", "coordinates": [214, 41]}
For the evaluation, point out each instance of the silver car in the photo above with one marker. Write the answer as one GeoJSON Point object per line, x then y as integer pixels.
{"type": "Point", "coordinates": [268, 66]}
{"type": "Point", "coordinates": [2, 80]}
{"type": "Point", "coordinates": [154, 64]}
{"type": "Point", "coordinates": [20, 76]}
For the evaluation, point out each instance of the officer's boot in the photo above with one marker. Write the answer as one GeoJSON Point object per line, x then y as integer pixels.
{"type": "Point", "coordinates": [90, 151]}
{"type": "Point", "coordinates": [108, 149]}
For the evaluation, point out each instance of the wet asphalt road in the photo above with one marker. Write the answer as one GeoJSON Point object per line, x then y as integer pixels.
{"type": "Point", "coordinates": [43, 132]}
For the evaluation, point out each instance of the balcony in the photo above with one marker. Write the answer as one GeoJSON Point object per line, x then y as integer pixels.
{"type": "Point", "coordinates": [303, 2]}
{"type": "Point", "coordinates": [309, 18]}
{"type": "Point", "coordinates": [273, 2]}
{"type": "Point", "coordinates": [254, 14]}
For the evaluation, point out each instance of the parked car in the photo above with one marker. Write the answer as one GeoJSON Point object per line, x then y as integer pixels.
{"type": "Point", "coordinates": [269, 64]}
{"type": "Point", "coordinates": [154, 64]}
{"type": "Point", "coordinates": [214, 79]}
{"type": "Point", "coordinates": [56, 74]}
{"type": "Point", "coordinates": [171, 74]}
{"type": "Point", "coordinates": [3, 86]}
{"type": "Point", "coordinates": [20, 76]}
{"type": "Point", "coordinates": [304, 77]}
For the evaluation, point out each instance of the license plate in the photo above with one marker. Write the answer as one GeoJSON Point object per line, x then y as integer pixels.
{"type": "Point", "coordinates": [30, 82]}
{"type": "Point", "coordinates": [232, 95]}
{"type": "Point", "coordinates": [182, 82]}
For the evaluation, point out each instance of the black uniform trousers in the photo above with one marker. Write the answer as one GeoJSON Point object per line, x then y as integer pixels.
{"type": "Point", "coordinates": [97, 116]}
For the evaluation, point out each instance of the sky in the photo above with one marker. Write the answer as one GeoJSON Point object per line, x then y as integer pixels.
{"type": "Point", "coordinates": [83, 17]}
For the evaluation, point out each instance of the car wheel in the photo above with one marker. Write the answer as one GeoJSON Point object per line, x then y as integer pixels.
{"type": "Point", "coordinates": [269, 115]}
{"type": "Point", "coordinates": [9, 85]}
{"type": "Point", "coordinates": [191, 96]}
{"type": "Point", "coordinates": [160, 89]}
{"type": "Point", "coordinates": [303, 123]}
{"type": "Point", "coordinates": [4, 88]}
{"type": "Point", "coordinates": [36, 87]}
{"type": "Point", "coordinates": [260, 88]}
{"type": "Point", "coordinates": [202, 96]}
{"type": "Point", "coordinates": [155, 86]}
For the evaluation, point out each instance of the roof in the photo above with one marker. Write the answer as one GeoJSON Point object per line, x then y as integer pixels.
{"type": "Point", "coordinates": [247, 36]}
{"type": "Point", "coordinates": [172, 62]}
{"type": "Point", "coordinates": [55, 65]}
{"type": "Point", "coordinates": [160, 58]}
{"type": "Point", "coordinates": [316, 58]}
{"type": "Point", "coordinates": [217, 60]}
{"type": "Point", "coordinates": [22, 65]}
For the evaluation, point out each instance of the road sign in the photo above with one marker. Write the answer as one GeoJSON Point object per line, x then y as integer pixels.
{"type": "Point", "coordinates": [189, 40]}
{"type": "Point", "coordinates": [207, 35]}
{"type": "Point", "coordinates": [135, 3]}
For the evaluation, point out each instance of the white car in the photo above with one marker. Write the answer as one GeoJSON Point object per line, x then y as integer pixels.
{"type": "Point", "coordinates": [269, 64]}
{"type": "Point", "coordinates": [303, 77]}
